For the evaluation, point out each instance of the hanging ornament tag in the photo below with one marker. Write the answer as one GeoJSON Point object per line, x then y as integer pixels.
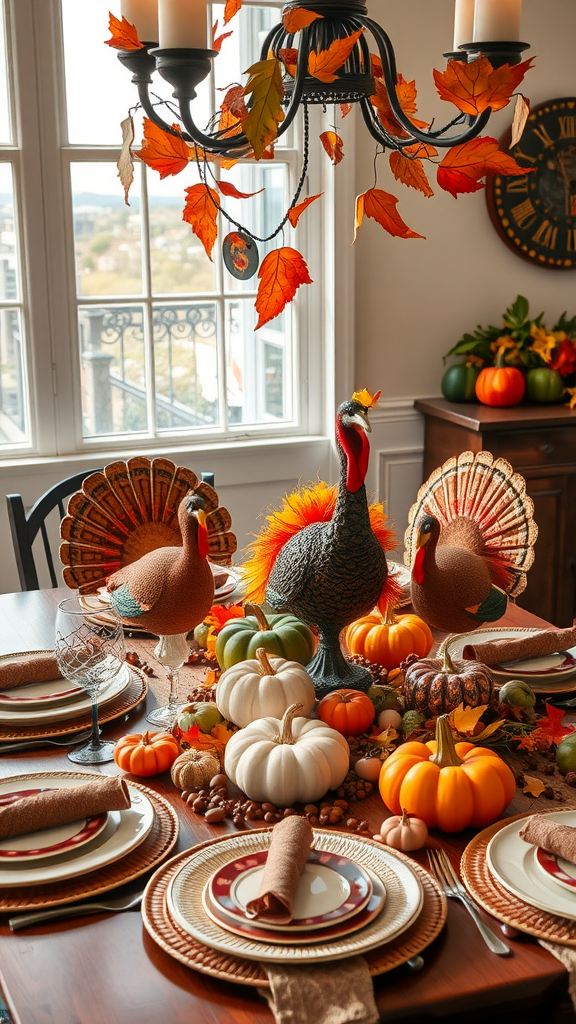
{"type": "Point", "coordinates": [240, 254]}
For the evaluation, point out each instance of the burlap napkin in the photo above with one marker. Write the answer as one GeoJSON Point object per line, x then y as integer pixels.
{"type": "Point", "coordinates": [33, 669]}
{"type": "Point", "coordinates": [58, 806]}
{"type": "Point", "coordinates": [558, 839]}
{"type": "Point", "coordinates": [566, 956]}
{"type": "Point", "coordinates": [546, 641]}
{"type": "Point", "coordinates": [338, 993]}
{"type": "Point", "coordinates": [288, 853]}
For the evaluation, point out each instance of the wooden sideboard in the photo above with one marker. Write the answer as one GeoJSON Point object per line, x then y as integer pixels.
{"type": "Point", "coordinates": [540, 442]}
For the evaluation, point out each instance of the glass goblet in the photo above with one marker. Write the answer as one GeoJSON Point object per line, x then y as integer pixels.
{"type": "Point", "coordinates": [90, 652]}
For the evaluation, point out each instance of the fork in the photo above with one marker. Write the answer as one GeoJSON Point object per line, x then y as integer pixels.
{"type": "Point", "coordinates": [76, 910]}
{"type": "Point", "coordinates": [441, 868]}
{"type": "Point", "coordinates": [71, 741]}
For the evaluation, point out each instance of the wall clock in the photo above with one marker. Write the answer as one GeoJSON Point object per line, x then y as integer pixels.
{"type": "Point", "coordinates": [535, 213]}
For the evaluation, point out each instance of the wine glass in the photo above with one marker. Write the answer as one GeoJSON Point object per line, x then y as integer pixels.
{"type": "Point", "coordinates": [172, 651]}
{"type": "Point", "coordinates": [90, 652]}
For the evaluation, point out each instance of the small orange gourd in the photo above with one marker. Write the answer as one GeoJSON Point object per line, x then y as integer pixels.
{"type": "Point", "coordinates": [388, 639]}
{"type": "Point", "coordinates": [448, 786]}
{"type": "Point", "coordinates": [146, 753]}
{"type": "Point", "coordinates": [500, 385]}
{"type": "Point", "coordinates": [350, 712]}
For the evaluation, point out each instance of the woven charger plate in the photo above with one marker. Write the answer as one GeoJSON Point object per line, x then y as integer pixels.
{"type": "Point", "coordinates": [491, 894]}
{"type": "Point", "coordinates": [180, 945]}
{"type": "Point", "coordinates": [157, 845]}
{"type": "Point", "coordinates": [118, 706]}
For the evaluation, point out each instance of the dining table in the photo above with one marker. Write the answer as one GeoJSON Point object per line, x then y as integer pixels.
{"type": "Point", "coordinates": [106, 969]}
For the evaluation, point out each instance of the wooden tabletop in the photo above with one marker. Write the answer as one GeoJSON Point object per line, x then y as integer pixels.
{"type": "Point", "coordinates": [476, 416]}
{"type": "Point", "coordinates": [105, 969]}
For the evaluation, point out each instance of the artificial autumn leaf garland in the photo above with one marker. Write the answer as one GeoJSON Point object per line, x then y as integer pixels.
{"type": "Point", "coordinates": [256, 110]}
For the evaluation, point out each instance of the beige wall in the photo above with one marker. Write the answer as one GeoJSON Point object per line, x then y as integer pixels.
{"type": "Point", "coordinates": [414, 298]}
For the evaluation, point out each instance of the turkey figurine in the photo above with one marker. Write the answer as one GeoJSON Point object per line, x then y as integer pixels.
{"type": "Point", "coordinates": [469, 542]}
{"type": "Point", "coordinates": [322, 557]}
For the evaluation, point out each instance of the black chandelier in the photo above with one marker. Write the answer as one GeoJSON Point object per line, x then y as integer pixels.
{"type": "Point", "coordinates": [185, 68]}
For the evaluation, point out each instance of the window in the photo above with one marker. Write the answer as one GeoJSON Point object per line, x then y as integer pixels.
{"type": "Point", "coordinates": [115, 328]}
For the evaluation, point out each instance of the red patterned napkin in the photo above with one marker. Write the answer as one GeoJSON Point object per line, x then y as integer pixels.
{"type": "Point", "coordinates": [35, 668]}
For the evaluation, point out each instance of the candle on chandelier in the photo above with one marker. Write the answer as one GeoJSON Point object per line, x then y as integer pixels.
{"type": "Point", "coordinates": [497, 20]}
{"type": "Point", "coordinates": [143, 14]}
{"type": "Point", "coordinates": [183, 23]}
{"type": "Point", "coordinates": [463, 22]}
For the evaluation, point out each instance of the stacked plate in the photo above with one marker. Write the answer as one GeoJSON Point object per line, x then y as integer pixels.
{"type": "Point", "coordinates": [541, 879]}
{"type": "Point", "coordinates": [554, 673]}
{"type": "Point", "coordinates": [352, 898]}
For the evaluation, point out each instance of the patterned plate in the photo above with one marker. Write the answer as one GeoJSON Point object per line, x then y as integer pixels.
{"type": "Point", "coordinates": [41, 695]}
{"type": "Point", "coordinates": [79, 705]}
{"type": "Point", "coordinates": [287, 937]}
{"type": "Point", "coordinates": [550, 674]}
{"type": "Point", "coordinates": [558, 869]}
{"type": "Point", "coordinates": [331, 889]}
{"type": "Point", "coordinates": [49, 841]}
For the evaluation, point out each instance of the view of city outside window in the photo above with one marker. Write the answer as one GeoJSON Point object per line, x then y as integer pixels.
{"type": "Point", "coordinates": [167, 340]}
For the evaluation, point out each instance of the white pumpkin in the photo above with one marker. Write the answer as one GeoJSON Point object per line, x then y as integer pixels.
{"type": "Point", "coordinates": [263, 688]}
{"type": "Point", "coordinates": [294, 760]}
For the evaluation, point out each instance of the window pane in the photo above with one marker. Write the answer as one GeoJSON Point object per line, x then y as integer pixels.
{"type": "Point", "coordinates": [186, 361]}
{"type": "Point", "coordinates": [9, 270]}
{"type": "Point", "coordinates": [242, 48]}
{"type": "Point", "coordinates": [262, 213]}
{"type": "Point", "coordinates": [107, 232]}
{"type": "Point", "coordinates": [98, 89]}
{"type": "Point", "coordinates": [5, 133]}
{"type": "Point", "coordinates": [259, 366]}
{"type": "Point", "coordinates": [112, 370]}
{"type": "Point", "coordinates": [13, 410]}
{"type": "Point", "coordinates": [178, 261]}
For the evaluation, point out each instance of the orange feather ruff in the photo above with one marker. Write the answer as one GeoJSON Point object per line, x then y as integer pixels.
{"type": "Point", "coordinates": [314, 503]}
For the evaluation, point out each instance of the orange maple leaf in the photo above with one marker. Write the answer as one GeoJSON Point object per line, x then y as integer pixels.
{"type": "Point", "coordinates": [163, 152]}
{"type": "Point", "coordinates": [124, 35]}
{"type": "Point", "coordinates": [289, 59]}
{"type": "Point", "coordinates": [228, 189]}
{"type": "Point", "coordinates": [410, 169]}
{"type": "Point", "coordinates": [406, 94]}
{"type": "Point", "coordinates": [234, 101]}
{"type": "Point", "coordinates": [381, 206]}
{"type": "Point", "coordinates": [281, 273]}
{"type": "Point", "coordinates": [333, 145]}
{"type": "Point", "coordinates": [323, 64]}
{"type": "Point", "coordinates": [218, 40]}
{"type": "Point", "coordinates": [200, 213]}
{"type": "Point", "coordinates": [232, 7]}
{"type": "Point", "coordinates": [464, 165]}
{"type": "Point", "coordinates": [345, 108]}
{"type": "Point", "coordinates": [297, 18]}
{"type": "Point", "coordinates": [219, 615]}
{"type": "Point", "coordinates": [476, 86]}
{"type": "Point", "coordinates": [295, 212]}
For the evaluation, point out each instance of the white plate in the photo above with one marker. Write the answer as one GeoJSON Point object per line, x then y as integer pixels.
{"type": "Point", "coordinates": [49, 842]}
{"type": "Point", "coordinates": [47, 694]}
{"type": "Point", "coordinates": [514, 863]}
{"type": "Point", "coordinates": [543, 674]}
{"type": "Point", "coordinates": [404, 898]}
{"type": "Point", "coordinates": [123, 832]}
{"type": "Point", "coordinates": [74, 709]}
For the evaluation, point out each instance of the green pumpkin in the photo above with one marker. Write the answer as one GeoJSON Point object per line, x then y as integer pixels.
{"type": "Point", "coordinates": [282, 635]}
{"type": "Point", "coordinates": [410, 721]}
{"type": "Point", "coordinates": [204, 714]}
{"type": "Point", "coordinates": [517, 693]}
{"type": "Point", "coordinates": [566, 754]}
{"type": "Point", "coordinates": [459, 383]}
{"type": "Point", "coordinates": [544, 385]}
{"type": "Point", "coordinates": [384, 698]}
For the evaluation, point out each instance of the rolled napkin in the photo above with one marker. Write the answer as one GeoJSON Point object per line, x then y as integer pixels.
{"type": "Point", "coordinates": [54, 807]}
{"type": "Point", "coordinates": [288, 853]}
{"type": "Point", "coordinates": [338, 993]}
{"type": "Point", "coordinates": [546, 641]}
{"type": "Point", "coordinates": [33, 669]}
{"type": "Point", "coordinates": [552, 837]}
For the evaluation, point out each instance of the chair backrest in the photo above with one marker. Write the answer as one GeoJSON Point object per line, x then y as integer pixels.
{"type": "Point", "coordinates": [24, 528]}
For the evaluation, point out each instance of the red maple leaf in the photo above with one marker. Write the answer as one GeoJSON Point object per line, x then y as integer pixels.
{"type": "Point", "coordinates": [551, 725]}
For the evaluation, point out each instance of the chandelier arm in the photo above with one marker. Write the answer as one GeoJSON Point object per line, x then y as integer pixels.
{"type": "Point", "coordinates": [388, 59]}
{"type": "Point", "coordinates": [381, 136]}
{"type": "Point", "coordinates": [272, 38]}
{"type": "Point", "coordinates": [150, 111]}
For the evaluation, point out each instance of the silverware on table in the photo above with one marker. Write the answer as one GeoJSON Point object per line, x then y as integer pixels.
{"type": "Point", "coordinates": [76, 910]}
{"type": "Point", "coordinates": [444, 873]}
{"type": "Point", "coordinates": [69, 741]}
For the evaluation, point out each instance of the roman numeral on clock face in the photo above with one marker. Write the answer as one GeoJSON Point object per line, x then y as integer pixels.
{"type": "Point", "coordinates": [543, 135]}
{"type": "Point", "coordinates": [514, 184]}
{"type": "Point", "coordinates": [571, 240]}
{"type": "Point", "coordinates": [567, 127]}
{"type": "Point", "coordinates": [524, 214]}
{"type": "Point", "coordinates": [546, 235]}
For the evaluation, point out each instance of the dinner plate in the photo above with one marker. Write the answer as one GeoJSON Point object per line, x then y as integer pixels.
{"type": "Point", "coordinates": [42, 695]}
{"type": "Point", "coordinates": [331, 888]}
{"type": "Point", "coordinates": [404, 899]}
{"type": "Point", "coordinates": [514, 863]}
{"type": "Point", "coordinates": [124, 830]}
{"type": "Point", "coordinates": [33, 716]}
{"type": "Point", "coordinates": [288, 936]}
{"type": "Point", "coordinates": [548, 674]}
{"type": "Point", "coordinates": [557, 869]}
{"type": "Point", "coordinates": [48, 842]}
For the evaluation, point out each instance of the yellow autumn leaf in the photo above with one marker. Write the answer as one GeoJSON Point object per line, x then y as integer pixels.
{"type": "Point", "coordinates": [533, 786]}
{"type": "Point", "coordinates": [221, 733]}
{"type": "Point", "coordinates": [464, 720]}
{"type": "Point", "coordinates": [488, 731]}
{"type": "Point", "coordinates": [265, 114]}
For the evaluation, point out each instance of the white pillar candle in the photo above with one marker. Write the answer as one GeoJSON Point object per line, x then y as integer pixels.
{"type": "Point", "coordinates": [143, 14]}
{"type": "Point", "coordinates": [497, 20]}
{"type": "Point", "coordinates": [183, 23]}
{"type": "Point", "coordinates": [463, 22]}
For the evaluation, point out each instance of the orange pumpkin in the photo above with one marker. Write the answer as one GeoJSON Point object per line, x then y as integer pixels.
{"type": "Point", "coordinates": [448, 786]}
{"type": "Point", "coordinates": [350, 712]}
{"type": "Point", "coordinates": [388, 640]}
{"type": "Point", "coordinates": [146, 753]}
{"type": "Point", "coordinates": [500, 384]}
